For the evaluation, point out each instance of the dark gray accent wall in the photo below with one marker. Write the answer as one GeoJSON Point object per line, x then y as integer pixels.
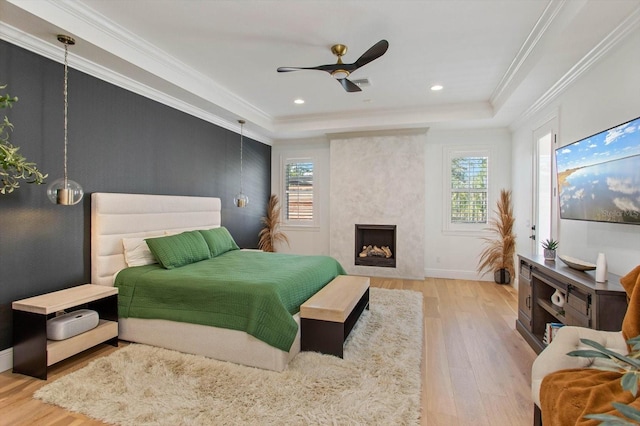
{"type": "Point", "coordinates": [118, 142]}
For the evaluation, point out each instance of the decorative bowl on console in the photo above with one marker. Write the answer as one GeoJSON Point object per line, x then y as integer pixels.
{"type": "Point", "coordinates": [578, 264]}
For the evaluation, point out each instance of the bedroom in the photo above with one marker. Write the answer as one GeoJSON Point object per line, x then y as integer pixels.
{"type": "Point", "coordinates": [600, 97]}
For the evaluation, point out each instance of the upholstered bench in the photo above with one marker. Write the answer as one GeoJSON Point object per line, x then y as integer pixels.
{"type": "Point", "coordinates": [326, 319]}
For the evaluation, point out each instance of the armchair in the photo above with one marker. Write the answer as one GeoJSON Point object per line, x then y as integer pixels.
{"type": "Point", "coordinates": [554, 357]}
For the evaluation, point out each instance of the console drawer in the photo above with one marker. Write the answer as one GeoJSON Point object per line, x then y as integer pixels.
{"type": "Point", "coordinates": [573, 317]}
{"type": "Point", "coordinates": [578, 300]}
{"type": "Point", "coordinates": [525, 271]}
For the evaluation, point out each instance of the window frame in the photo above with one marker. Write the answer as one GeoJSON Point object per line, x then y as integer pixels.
{"type": "Point", "coordinates": [452, 228]}
{"type": "Point", "coordinates": [295, 223]}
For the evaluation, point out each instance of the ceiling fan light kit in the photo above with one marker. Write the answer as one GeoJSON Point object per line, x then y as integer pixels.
{"type": "Point", "coordinates": [340, 71]}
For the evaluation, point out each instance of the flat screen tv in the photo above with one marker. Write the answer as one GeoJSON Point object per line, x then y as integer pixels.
{"type": "Point", "coordinates": [599, 176]}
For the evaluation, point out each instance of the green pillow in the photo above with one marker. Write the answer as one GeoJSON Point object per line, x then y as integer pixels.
{"type": "Point", "coordinates": [178, 250]}
{"type": "Point", "coordinates": [219, 241]}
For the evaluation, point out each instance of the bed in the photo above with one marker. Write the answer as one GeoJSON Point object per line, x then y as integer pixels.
{"type": "Point", "coordinates": [123, 218]}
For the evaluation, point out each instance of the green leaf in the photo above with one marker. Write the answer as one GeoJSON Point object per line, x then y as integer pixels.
{"type": "Point", "coordinates": [627, 411]}
{"type": "Point", "coordinates": [609, 420]}
{"type": "Point", "coordinates": [635, 364]}
{"type": "Point", "coordinates": [588, 353]}
{"type": "Point", "coordinates": [629, 381]}
{"type": "Point", "coordinates": [634, 342]}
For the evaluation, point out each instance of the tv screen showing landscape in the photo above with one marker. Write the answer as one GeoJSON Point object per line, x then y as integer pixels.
{"type": "Point", "coordinates": [599, 176]}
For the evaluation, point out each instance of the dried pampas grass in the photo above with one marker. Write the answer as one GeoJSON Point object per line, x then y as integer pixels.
{"type": "Point", "coordinates": [270, 235]}
{"type": "Point", "coordinates": [499, 251]}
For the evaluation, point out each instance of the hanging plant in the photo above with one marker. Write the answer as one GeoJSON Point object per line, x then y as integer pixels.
{"type": "Point", "coordinates": [270, 235]}
{"type": "Point", "coordinates": [13, 166]}
{"type": "Point", "coordinates": [497, 256]}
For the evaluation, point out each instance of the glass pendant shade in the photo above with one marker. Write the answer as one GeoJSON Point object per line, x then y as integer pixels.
{"type": "Point", "coordinates": [240, 200]}
{"type": "Point", "coordinates": [66, 193]}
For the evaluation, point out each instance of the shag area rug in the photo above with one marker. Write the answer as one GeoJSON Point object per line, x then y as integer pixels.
{"type": "Point", "coordinates": [377, 382]}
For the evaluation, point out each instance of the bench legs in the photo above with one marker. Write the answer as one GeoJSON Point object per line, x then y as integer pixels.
{"type": "Point", "coordinates": [328, 337]}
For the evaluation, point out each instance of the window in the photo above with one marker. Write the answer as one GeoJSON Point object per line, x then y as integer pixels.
{"type": "Point", "coordinates": [467, 190]}
{"type": "Point", "coordinates": [299, 192]}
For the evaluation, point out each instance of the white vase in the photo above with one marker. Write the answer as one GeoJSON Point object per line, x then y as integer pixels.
{"type": "Point", "coordinates": [557, 299]}
{"type": "Point", "coordinates": [601, 268]}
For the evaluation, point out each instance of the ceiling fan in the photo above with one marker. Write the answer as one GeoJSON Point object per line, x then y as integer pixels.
{"type": "Point", "coordinates": [341, 71]}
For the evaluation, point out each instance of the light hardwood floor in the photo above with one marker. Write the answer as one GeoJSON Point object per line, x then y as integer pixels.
{"type": "Point", "coordinates": [476, 367]}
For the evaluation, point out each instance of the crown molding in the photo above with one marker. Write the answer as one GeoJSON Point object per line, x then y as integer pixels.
{"type": "Point", "coordinates": [54, 53]}
{"type": "Point", "coordinates": [613, 39]}
{"type": "Point", "coordinates": [510, 78]}
{"type": "Point", "coordinates": [378, 133]}
{"type": "Point", "coordinates": [387, 117]}
{"type": "Point", "coordinates": [114, 39]}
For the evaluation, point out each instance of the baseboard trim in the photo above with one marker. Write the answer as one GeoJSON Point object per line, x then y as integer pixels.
{"type": "Point", "coordinates": [462, 275]}
{"type": "Point", "coordinates": [6, 359]}
{"type": "Point", "coordinates": [456, 275]}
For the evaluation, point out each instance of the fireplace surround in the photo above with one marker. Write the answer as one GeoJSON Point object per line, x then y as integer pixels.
{"type": "Point", "coordinates": [365, 189]}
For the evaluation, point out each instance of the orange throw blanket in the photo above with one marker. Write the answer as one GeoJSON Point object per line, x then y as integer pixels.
{"type": "Point", "coordinates": [567, 396]}
{"type": "Point", "coordinates": [631, 321]}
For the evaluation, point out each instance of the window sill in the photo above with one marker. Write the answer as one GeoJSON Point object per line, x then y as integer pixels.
{"type": "Point", "coordinates": [305, 228]}
{"type": "Point", "coordinates": [467, 233]}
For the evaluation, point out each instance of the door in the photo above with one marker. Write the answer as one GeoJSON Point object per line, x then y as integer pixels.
{"type": "Point", "coordinates": [545, 207]}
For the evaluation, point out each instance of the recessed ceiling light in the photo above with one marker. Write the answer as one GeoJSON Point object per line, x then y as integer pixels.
{"type": "Point", "coordinates": [299, 101]}
{"type": "Point", "coordinates": [436, 87]}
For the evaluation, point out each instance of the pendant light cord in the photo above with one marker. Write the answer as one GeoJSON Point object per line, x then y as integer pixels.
{"type": "Point", "coordinates": [241, 143]}
{"type": "Point", "coordinates": [66, 105]}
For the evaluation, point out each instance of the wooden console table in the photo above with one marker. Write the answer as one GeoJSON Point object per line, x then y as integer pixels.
{"type": "Point", "coordinates": [600, 306]}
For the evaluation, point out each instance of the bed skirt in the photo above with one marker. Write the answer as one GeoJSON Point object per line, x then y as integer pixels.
{"type": "Point", "coordinates": [235, 346]}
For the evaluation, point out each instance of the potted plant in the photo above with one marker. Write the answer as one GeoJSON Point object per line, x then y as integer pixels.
{"type": "Point", "coordinates": [270, 235]}
{"type": "Point", "coordinates": [13, 166]}
{"type": "Point", "coordinates": [550, 246]}
{"type": "Point", "coordinates": [497, 255]}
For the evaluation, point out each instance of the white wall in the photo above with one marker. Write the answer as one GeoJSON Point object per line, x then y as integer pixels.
{"type": "Point", "coordinates": [313, 240]}
{"type": "Point", "coordinates": [606, 95]}
{"type": "Point", "coordinates": [445, 255]}
{"type": "Point", "coordinates": [449, 254]}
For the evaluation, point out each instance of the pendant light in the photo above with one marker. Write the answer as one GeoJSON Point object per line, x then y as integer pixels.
{"type": "Point", "coordinates": [64, 191]}
{"type": "Point", "coordinates": [241, 200]}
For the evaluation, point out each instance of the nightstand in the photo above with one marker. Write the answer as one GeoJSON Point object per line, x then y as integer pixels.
{"type": "Point", "coordinates": [33, 353]}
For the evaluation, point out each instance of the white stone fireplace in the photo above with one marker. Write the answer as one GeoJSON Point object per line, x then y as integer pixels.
{"type": "Point", "coordinates": [378, 179]}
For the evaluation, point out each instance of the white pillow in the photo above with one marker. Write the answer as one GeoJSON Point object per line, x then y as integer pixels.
{"type": "Point", "coordinates": [136, 251]}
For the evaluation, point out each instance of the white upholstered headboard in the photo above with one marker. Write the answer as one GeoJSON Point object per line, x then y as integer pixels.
{"type": "Point", "coordinates": [116, 216]}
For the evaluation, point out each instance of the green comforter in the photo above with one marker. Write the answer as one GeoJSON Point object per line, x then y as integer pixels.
{"type": "Point", "coordinates": [251, 291]}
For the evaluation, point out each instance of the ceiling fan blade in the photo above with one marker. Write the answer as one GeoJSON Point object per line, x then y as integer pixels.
{"type": "Point", "coordinates": [349, 86]}
{"type": "Point", "coordinates": [328, 68]}
{"type": "Point", "coordinates": [288, 69]}
{"type": "Point", "coordinates": [372, 54]}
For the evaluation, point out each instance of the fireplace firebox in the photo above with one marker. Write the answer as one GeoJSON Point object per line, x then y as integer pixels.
{"type": "Point", "coordinates": [375, 245]}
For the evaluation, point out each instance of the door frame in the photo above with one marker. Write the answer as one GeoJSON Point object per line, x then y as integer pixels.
{"type": "Point", "coordinates": [547, 126]}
